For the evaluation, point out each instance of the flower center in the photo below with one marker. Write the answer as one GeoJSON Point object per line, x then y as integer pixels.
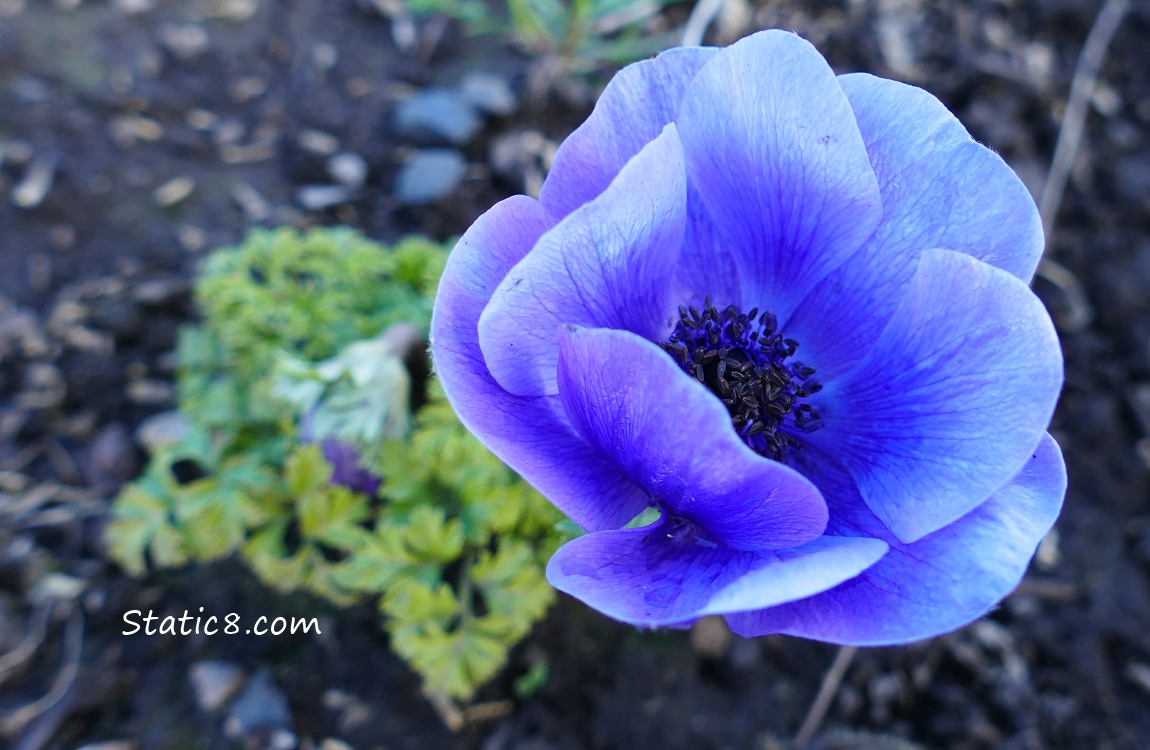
{"type": "Point", "coordinates": [742, 360]}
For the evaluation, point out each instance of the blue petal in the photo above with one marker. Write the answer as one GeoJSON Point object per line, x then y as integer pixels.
{"type": "Point", "coordinates": [632, 111]}
{"type": "Point", "coordinates": [936, 584]}
{"type": "Point", "coordinates": [670, 435]}
{"type": "Point", "coordinates": [637, 104]}
{"type": "Point", "coordinates": [952, 398]}
{"type": "Point", "coordinates": [653, 576]}
{"type": "Point", "coordinates": [773, 150]}
{"type": "Point", "coordinates": [610, 264]}
{"type": "Point", "coordinates": [940, 189]}
{"type": "Point", "coordinates": [532, 435]}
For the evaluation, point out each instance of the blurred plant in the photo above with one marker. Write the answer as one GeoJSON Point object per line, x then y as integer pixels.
{"type": "Point", "coordinates": [588, 34]}
{"type": "Point", "coordinates": [581, 35]}
{"type": "Point", "coordinates": [302, 454]}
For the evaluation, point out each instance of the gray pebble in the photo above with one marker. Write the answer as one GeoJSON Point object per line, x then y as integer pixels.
{"type": "Point", "coordinates": [260, 715]}
{"type": "Point", "coordinates": [158, 430]}
{"type": "Point", "coordinates": [110, 458]}
{"type": "Point", "coordinates": [488, 93]}
{"type": "Point", "coordinates": [319, 197]}
{"type": "Point", "coordinates": [429, 175]}
{"type": "Point", "coordinates": [437, 114]}
{"type": "Point", "coordinates": [348, 169]}
{"type": "Point", "coordinates": [214, 683]}
{"type": "Point", "coordinates": [33, 188]}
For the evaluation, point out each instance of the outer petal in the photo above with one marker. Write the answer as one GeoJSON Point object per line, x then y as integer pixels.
{"type": "Point", "coordinates": [951, 399]}
{"type": "Point", "coordinates": [632, 111]}
{"type": "Point", "coordinates": [939, 189]}
{"type": "Point", "coordinates": [672, 437]}
{"type": "Point", "coordinates": [610, 263]}
{"type": "Point", "coordinates": [773, 150]}
{"type": "Point", "coordinates": [532, 435]}
{"type": "Point", "coordinates": [653, 576]}
{"type": "Point", "coordinates": [936, 584]}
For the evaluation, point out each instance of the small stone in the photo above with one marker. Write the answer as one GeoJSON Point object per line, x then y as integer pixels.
{"type": "Point", "coordinates": [348, 169]}
{"type": "Point", "coordinates": [151, 392]}
{"type": "Point", "coordinates": [185, 41]}
{"type": "Point", "coordinates": [110, 459]}
{"type": "Point", "coordinates": [324, 56]}
{"type": "Point", "coordinates": [174, 191]}
{"type": "Point", "coordinates": [202, 119]}
{"type": "Point", "coordinates": [228, 130]}
{"type": "Point", "coordinates": [159, 291]}
{"type": "Point", "coordinates": [159, 430]}
{"type": "Point", "coordinates": [429, 175]}
{"type": "Point", "coordinates": [254, 206]}
{"type": "Point", "coordinates": [319, 197]}
{"type": "Point", "coordinates": [248, 88]}
{"type": "Point", "coordinates": [215, 683]}
{"type": "Point", "coordinates": [318, 142]}
{"type": "Point", "coordinates": [1048, 554]}
{"type": "Point", "coordinates": [38, 180]}
{"type": "Point", "coordinates": [1106, 99]}
{"type": "Point", "coordinates": [126, 130]}
{"type": "Point", "coordinates": [358, 87]}
{"type": "Point", "coordinates": [710, 637]}
{"type": "Point", "coordinates": [488, 93]}
{"type": "Point", "coordinates": [191, 238]}
{"type": "Point", "coordinates": [261, 714]}
{"type": "Point", "coordinates": [57, 587]}
{"type": "Point", "coordinates": [437, 114]}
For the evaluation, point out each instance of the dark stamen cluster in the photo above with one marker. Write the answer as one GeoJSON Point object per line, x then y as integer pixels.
{"type": "Point", "coordinates": [741, 359]}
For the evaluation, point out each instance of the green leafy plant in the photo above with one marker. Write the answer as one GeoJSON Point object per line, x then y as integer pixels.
{"type": "Point", "coordinates": [302, 352]}
{"type": "Point", "coordinates": [581, 35]}
{"type": "Point", "coordinates": [587, 34]}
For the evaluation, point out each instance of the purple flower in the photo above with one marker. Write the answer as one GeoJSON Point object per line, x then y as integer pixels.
{"type": "Point", "coordinates": [790, 311]}
{"type": "Point", "coordinates": [346, 470]}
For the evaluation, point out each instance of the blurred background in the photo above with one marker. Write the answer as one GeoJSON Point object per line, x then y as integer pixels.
{"type": "Point", "coordinates": [137, 136]}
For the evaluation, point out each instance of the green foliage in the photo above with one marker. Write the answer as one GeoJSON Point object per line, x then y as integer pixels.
{"type": "Point", "coordinates": [452, 545]}
{"type": "Point", "coordinates": [585, 35]}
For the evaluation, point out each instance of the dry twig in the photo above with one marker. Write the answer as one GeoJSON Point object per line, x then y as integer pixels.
{"type": "Point", "coordinates": [16, 720]}
{"type": "Point", "coordinates": [1074, 120]}
{"type": "Point", "coordinates": [702, 15]}
{"type": "Point", "coordinates": [831, 681]}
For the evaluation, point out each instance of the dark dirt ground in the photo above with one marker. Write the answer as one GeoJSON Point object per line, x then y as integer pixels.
{"type": "Point", "coordinates": [104, 101]}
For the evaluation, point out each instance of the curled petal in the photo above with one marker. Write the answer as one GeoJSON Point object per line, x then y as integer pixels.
{"type": "Point", "coordinates": [952, 398]}
{"type": "Point", "coordinates": [532, 435]}
{"type": "Point", "coordinates": [654, 576]}
{"type": "Point", "coordinates": [637, 104]}
{"type": "Point", "coordinates": [610, 263]}
{"type": "Point", "coordinates": [672, 437]}
{"type": "Point", "coordinates": [940, 189]}
{"type": "Point", "coordinates": [772, 148]}
{"type": "Point", "coordinates": [934, 585]}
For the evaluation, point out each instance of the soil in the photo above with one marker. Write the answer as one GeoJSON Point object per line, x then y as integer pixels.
{"type": "Point", "coordinates": [103, 102]}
